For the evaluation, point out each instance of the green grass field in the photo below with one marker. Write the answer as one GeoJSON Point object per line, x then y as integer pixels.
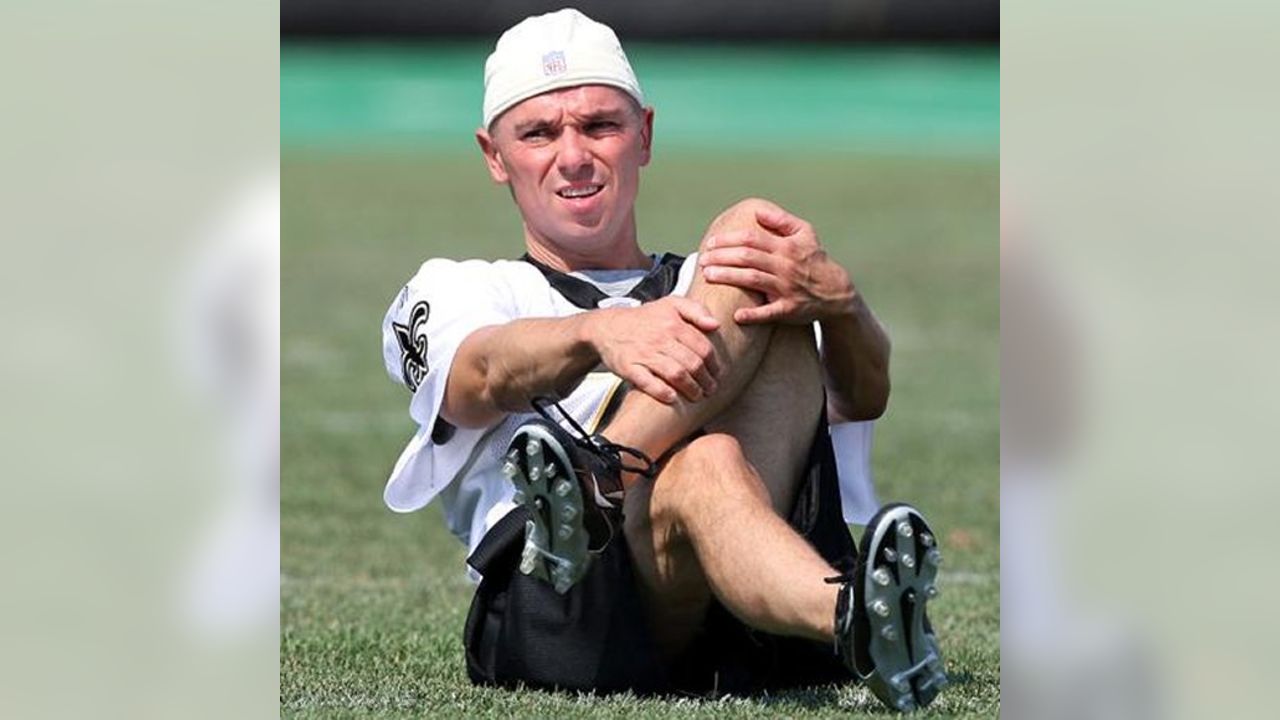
{"type": "Point", "coordinates": [372, 603]}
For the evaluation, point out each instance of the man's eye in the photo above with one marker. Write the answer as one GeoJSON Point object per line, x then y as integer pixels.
{"type": "Point", "coordinates": [602, 126]}
{"type": "Point", "coordinates": [536, 134]}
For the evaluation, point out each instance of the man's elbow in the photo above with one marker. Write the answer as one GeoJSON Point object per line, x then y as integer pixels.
{"type": "Point", "coordinates": [859, 411]}
{"type": "Point", "coordinates": [875, 407]}
{"type": "Point", "coordinates": [469, 400]}
{"type": "Point", "coordinates": [468, 415]}
{"type": "Point", "coordinates": [869, 403]}
{"type": "Point", "coordinates": [873, 400]}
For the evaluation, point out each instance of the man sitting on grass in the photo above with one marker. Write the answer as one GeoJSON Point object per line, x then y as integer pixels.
{"type": "Point", "coordinates": [673, 520]}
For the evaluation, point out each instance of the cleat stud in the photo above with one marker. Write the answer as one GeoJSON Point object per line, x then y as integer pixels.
{"type": "Point", "coordinates": [526, 565]}
{"type": "Point", "coordinates": [926, 539]}
{"type": "Point", "coordinates": [563, 487]}
{"type": "Point", "coordinates": [890, 554]}
{"type": "Point", "coordinates": [881, 577]}
{"type": "Point", "coordinates": [905, 704]}
{"type": "Point", "coordinates": [509, 470]}
{"type": "Point", "coordinates": [531, 448]}
{"type": "Point", "coordinates": [568, 512]}
{"type": "Point", "coordinates": [564, 532]}
{"type": "Point", "coordinates": [535, 473]}
{"type": "Point", "coordinates": [904, 529]}
{"type": "Point", "coordinates": [889, 633]}
{"type": "Point", "coordinates": [908, 561]}
{"type": "Point", "coordinates": [901, 686]}
{"type": "Point", "coordinates": [933, 558]}
{"type": "Point", "coordinates": [931, 591]}
{"type": "Point", "coordinates": [549, 470]}
{"type": "Point", "coordinates": [881, 608]}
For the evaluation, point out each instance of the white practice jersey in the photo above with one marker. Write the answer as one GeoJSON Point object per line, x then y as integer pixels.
{"type": "Point", "coordinates": [445, 302]}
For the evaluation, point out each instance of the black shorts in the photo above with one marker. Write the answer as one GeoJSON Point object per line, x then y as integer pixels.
{"type": "Point", "coordinates": [596, 636]}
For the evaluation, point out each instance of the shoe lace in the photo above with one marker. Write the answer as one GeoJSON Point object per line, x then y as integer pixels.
{"type": "Point", "coordinates": [597, 443]}
{"type": "Point", "coordinates": [843, 599]}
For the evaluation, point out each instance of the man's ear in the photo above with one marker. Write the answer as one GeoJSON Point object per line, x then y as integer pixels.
{"type": "Point", "coordinates": [492, 158]}
{"type": "Point", "coordinates": [646, 135]}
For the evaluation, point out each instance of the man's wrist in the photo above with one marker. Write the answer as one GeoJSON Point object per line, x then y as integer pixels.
{"type": "Point", "coordinates": [845, 311]}
{"type": "Point", "coordinates": [587, 336]}
{"type": "Point", "coordinates": [854, 320]}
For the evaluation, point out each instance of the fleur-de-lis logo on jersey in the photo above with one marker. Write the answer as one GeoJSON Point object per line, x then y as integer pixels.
{"type": "Point", "coordinates": [413, 345]}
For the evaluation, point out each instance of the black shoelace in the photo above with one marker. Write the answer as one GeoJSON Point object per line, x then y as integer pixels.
{"type": "Point", "coordinates": [597, 444]}
{"type": "Point", "coordinates": [843, 598]}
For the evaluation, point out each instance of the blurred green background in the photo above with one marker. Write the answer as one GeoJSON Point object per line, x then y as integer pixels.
{"type": "Point", "coordinates": [892, 153]}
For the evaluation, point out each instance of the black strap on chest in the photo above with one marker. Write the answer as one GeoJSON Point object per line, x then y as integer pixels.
{"type": "Point", "coordinates": [659, 283]}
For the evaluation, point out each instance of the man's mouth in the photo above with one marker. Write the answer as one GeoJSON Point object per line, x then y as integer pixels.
{"type": "Point", "coordinates": [579, 191]}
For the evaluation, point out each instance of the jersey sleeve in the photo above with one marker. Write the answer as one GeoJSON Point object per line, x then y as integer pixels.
{"type": "Point", "coordinates": [428, 320]}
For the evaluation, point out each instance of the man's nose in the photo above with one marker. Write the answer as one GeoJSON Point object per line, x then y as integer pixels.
{"type": "Point", "coordinates": [575, 152]}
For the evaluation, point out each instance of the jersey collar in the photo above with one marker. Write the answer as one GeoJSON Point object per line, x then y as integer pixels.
{"type": "Point", "coordinates": [658, 283]}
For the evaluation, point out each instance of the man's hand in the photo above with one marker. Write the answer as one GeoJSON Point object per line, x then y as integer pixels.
{"type": "Point", "coordinates": [661, 347]}
{"type": "Point", "coordinates": [782, 260]}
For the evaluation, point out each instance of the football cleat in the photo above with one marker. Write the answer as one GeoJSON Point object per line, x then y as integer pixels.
{"type": "Point", "coordinates": [882, 630]}
{"type": "Point", "coordinates": [572, 488]}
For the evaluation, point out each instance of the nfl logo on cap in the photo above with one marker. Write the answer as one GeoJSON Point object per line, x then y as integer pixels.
{"type": "Point", "coordinates": [553, 63]}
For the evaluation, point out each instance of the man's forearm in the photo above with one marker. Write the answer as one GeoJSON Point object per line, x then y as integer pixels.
{"type": "Point", "coordinates": [500, 369]}
{"type": "Point", "coordinates": [855, 361]}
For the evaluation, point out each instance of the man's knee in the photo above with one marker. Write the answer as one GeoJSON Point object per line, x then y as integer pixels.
{"type": "Point", "coordinates": [727, 297]}
{"type": "Point", "coordinates": [739, 216]}
{"type": "Point", "coordinates": [713, 450]}
{"type": "Point", "coordinates": [708, 470]}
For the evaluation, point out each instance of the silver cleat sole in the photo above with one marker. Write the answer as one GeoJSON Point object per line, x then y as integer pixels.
{"type": "Point", "coordinates": [909, 671]}
{"type": "Point", "coordinates": [556, 541]}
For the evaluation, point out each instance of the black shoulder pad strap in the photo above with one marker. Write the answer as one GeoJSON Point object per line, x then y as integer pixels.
{"type": "Point", "coordinates": [657, 284]}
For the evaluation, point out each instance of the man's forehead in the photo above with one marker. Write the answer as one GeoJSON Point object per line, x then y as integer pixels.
{"type": "Point", "coordinates": [577, 100]}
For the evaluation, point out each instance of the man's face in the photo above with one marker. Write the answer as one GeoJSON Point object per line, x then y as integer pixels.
{"type": "Point", "coordinates": [572, 158]}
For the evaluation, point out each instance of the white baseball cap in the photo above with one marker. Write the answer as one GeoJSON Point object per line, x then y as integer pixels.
{"type": "Point", "coordinates": [548, 52]}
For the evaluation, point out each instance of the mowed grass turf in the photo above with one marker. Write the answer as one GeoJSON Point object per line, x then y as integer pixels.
{"type": "Point", "coordinates": [373, 603]}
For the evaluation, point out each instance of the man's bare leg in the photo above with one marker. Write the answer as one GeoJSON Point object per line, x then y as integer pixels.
{"type": "Point", "coordinates": [775, 417]}
{"type": "Point", "coordinates": [707, 526]}
{"type": "Point", "coordinates": [653, 427]}
{"type": "Point", "coordinates": [712, 521]}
